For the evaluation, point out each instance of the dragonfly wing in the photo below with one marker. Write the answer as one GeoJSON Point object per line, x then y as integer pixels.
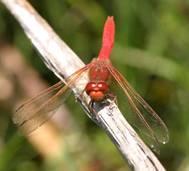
{"type": "Point", "coordinates": [34, 112]}
{"type": "Point", "coordinates": [152, 125]}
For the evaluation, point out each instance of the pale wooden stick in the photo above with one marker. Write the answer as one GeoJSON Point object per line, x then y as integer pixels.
{"type": "Point", "coordinates": [63, 62]}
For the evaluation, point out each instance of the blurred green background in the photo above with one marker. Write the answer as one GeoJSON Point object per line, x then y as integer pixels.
{"type": "Point", "coordinates": [152, 52]}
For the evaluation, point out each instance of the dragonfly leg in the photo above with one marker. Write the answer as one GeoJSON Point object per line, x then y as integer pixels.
{"type": "Point", "coordinates": [112, 97]}
{"type": "Point", "coordinates": [95, 107]}
{"type": "Point", "coordinates": [91, 103]}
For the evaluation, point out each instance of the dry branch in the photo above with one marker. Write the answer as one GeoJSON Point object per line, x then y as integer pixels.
{"type": "Point", "coordinates": [63, 62]}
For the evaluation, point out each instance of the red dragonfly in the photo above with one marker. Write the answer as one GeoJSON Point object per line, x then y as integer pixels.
{"type": "Point", "coordinates": [31, 114]}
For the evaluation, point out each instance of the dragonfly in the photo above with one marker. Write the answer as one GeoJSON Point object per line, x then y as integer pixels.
{"type": "Point", "coordinates": [33, 113]}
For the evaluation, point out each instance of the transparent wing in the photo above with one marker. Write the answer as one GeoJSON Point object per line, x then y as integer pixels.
{"type": "Point", "coordinates": [34, 112]}
{"type": "Point", "coordinates": [152, 125]}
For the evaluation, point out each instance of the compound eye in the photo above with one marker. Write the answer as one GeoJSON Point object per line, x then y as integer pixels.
{"type": "Point", "coordinates": [90, 87]}
{"type": "Point", "coordinates": [103, 86]}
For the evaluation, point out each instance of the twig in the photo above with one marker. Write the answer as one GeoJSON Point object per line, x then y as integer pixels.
{"type": "Point", "coordinates": [63, 62]}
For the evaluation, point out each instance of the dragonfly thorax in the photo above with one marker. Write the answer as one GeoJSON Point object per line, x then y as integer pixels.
{"type": "Point", "coordinates": [99, 72]}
